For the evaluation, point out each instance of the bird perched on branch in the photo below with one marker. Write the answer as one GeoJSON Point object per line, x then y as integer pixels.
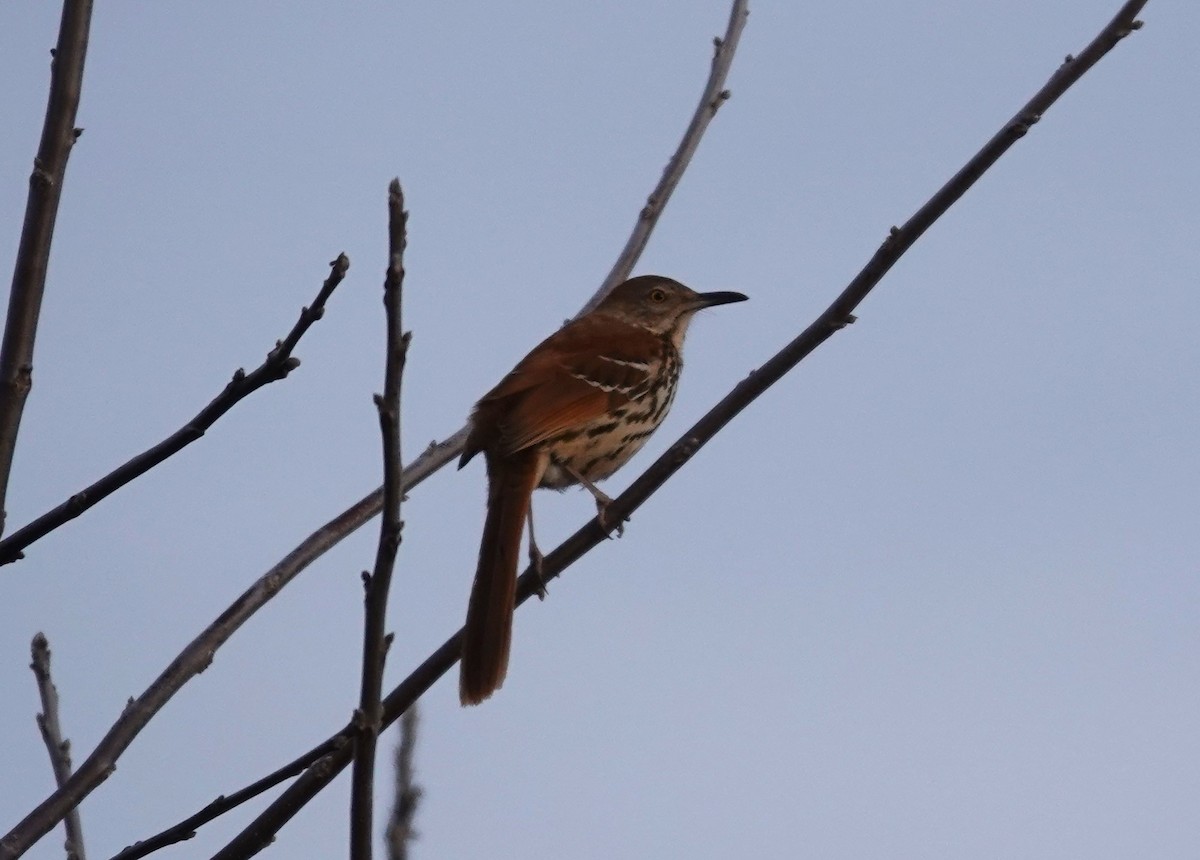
{"type": "Point", "coordinates": [573, 411]}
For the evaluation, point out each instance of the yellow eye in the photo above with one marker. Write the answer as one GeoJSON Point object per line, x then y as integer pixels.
{"type": "Point", "coordinates": [658, 295]}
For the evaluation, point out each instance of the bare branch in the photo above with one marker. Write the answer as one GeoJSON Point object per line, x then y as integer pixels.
{"type": "Point", "coordinates": [58, 747]}
{"type": "Point", "coordinates": [194, 658]}
{"type": "Point", "coordinates": [41, 209]}
{"type": "Point", "coordinates": [711, 99]}
{"type": "Point", "coordinates": [375, 643]}
{"type": "Point", "coordinates": [277, 365]}
{"type": "Point", "coordinates": [186, 829]}
{"type": "Point", "coordinates": [261, 831]}
{"type": "Point", "coordinates": [400, 830]}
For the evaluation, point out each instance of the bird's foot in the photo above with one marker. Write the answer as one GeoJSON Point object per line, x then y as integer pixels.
{"type": "Point", "coordinates": [536, 564]}
{"type": "Point", "coordinates": [603, 517]}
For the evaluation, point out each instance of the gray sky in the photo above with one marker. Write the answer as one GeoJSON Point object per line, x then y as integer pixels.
{"type": "Point", "coordinates": [934, 596]}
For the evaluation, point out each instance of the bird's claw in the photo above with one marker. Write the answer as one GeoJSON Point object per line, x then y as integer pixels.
{"type": "Point", "coordinates": [603, 518]}
{"type": "Point", "coordinates": [536, 562]}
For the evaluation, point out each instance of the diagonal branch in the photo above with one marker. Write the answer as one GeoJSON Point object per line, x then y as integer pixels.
{"type": "Point", "coordinates": [58, 747]}
{"type": "Point", "coordinates": [711, 99]}
{"type": "Point", "coordinates": [438, 454]}
{"type": "Point", "coordinates": [195, 658]}
{"type": "Point", "coordinates": [277, 365]}
{"type": "Point", "coordinates": [369, 715]}
{"type": "Point", "coordinates": [259, 833]}
{"type": "Point", "coordinates": [37, 233]}
{"type": "Point", "coordinates": [186, 829]}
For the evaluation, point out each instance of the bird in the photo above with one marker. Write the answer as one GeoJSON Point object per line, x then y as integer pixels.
{"type": "Point", "coordinates": [572, 411]}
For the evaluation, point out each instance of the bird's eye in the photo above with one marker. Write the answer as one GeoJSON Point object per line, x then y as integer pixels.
{"type": "Point", "coordinates": [658, 296]}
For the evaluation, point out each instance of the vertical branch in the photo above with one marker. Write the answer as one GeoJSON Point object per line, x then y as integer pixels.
{"type": "Point", "coordinates": [369, 717]}
{"type": "Point", "coordinates": [58, 747]}
{"type": "Point", "coordinates": [400, 830]}
{"type": "Point", "coordinates": [41, 209]}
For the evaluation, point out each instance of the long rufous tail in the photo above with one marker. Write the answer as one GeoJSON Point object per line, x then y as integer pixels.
{"type": "Point", "coordinates": [488, 630]}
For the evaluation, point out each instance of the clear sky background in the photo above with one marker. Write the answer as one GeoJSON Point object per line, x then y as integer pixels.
{"type": "Point", "coordinates": [935, 595]}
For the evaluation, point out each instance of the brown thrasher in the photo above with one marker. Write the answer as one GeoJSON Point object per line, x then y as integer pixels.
{"type": "Point", "coordinates": [573, 411]}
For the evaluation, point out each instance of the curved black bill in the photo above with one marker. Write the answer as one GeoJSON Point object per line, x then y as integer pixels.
{"type": "Point", "coordinates": [708, 300]}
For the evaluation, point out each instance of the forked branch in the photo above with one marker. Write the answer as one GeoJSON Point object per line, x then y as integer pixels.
{"type": "Point", "coordinates": [195, 658]}
{"type": "Point", "coordinates": [277, 365]}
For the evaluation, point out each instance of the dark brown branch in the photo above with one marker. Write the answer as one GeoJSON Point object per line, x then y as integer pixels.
{"type": "Point", "coordinates": [400, 831]}
{"type": "Point", "coordinates": [186, 829]}
{"type": "Point", "coordinates": [277, 365]}
{"type": "Point", "coordinates": [261, 831]}
{"type": "Point", "coordinates": [711, 99]}
{"type": "Point", "coordinates": [199, 652]}
{"type": "Point", "coordinates": [438, 454]}
{"type": "Point", "coordinates": [41, 209]}
{"type": "Point", "coordinates": [58, 747]}
{"type": "Point", "coordinates": [375, 641]}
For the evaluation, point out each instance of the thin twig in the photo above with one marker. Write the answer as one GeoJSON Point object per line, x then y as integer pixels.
{"type": "Point", "coordinates": [194, 658]}
{"type": "Point", "coordinates": [375, 641]}
{"type": "Point", "coordinates": [37, 233]}
{"type": "Point", "coordinates": [711, 99]}
{"type": "Point", "coordinates": [261, 831]}
{"type": "Point", "coordinates": [58, 746]}
{"type": "Point", "coordinates": [277, 365]}
{"type": "Point", "coordinates": [400, 831]}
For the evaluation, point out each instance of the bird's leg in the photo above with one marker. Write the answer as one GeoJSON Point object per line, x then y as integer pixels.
{"type": "Point", "coordinates": [602, 502]}
{"type": "Point", "coordinates": [536, 558]}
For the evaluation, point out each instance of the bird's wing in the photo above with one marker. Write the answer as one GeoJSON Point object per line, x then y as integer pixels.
{"type": "Point", "coordinates": [574, 377]}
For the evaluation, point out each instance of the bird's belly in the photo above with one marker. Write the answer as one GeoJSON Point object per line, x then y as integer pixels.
{"type": "Point", "coordinates": [595, 459]}
{"type": "Point", "coordinates": [604, 445]}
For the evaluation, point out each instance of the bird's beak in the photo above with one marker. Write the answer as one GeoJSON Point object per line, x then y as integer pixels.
{"type": "Point", "coordinates": [709, 300]}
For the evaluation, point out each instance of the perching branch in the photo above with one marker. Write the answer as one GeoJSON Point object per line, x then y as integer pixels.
{"type": "Point", "coordinates": [58, 747]}
{"type": "Point", "coordinates": [41, 209]}
{"type": "Point", "coordinates": [438, 454]}
{"type": "Point", "coordinates": [195, 658]}
{"type": "Point", "coordinates": [375, 643]}
{"type": "Point", "coordinates": [433, 458]}
{"type": "Point", "coordinates": [261, 831]}
{"type": "Point", "coordinates": [711, 99]}
{"type": "Point", "coordinates": [400, 831]}
{"type": "Point", "coordinates": [277, 365]}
